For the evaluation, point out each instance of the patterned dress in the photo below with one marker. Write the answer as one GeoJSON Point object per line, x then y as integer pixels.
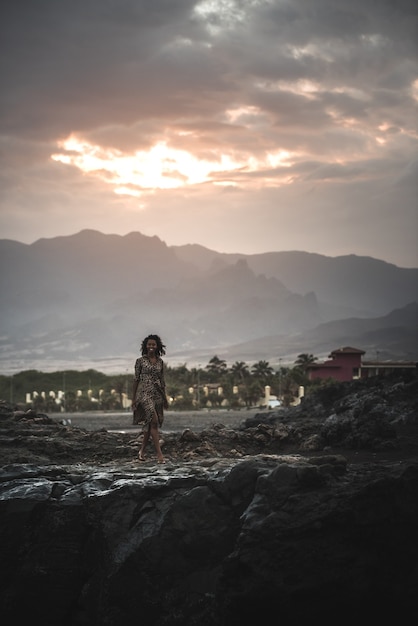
{"type": "Point", "coordinates": [150, 395]}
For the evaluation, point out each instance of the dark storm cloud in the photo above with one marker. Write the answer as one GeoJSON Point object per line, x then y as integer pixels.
{"type": "Point", "coordinates": [81, 63]}
{"type": "Point", "coordinates": [334, 83]}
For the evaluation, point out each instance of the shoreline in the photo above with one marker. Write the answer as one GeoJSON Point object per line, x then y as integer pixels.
{"type": "Point", "coordinates": [174, 421]}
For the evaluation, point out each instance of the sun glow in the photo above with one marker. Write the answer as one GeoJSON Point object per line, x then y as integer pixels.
{"type": "Point", "coordinates": [160, 167]}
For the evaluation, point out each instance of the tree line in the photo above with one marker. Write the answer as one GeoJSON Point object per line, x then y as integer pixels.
{"type": "Point", "coordinates": [214, 385]}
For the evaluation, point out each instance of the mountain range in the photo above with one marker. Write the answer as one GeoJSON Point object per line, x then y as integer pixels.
{"type": "Point", "coordinates": [88, 299]}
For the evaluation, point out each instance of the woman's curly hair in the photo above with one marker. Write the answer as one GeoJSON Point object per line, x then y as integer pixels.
{"type": "Point", "coordinates": [160, 346]}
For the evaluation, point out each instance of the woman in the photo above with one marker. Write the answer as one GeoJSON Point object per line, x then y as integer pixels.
{"type": "Point", "coordinates": [148, 393]}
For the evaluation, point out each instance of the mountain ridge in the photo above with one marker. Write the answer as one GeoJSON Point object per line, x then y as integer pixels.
{"type": "Point", "coordinates": [94, 296]}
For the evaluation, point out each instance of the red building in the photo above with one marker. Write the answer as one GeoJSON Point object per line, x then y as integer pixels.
{"type": "Point", "coordinates": [347, 364]}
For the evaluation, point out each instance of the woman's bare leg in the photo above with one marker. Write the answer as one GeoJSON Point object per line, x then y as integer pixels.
{"type": "Point", "coordinates": [155, 436]}
{"type": "Point", "coordinates": [145, 440]}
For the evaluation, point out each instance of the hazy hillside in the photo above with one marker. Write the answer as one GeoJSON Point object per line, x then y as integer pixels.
{"type": "Point", "coordinates": [392, 337]}
{"type": "Point", "coordinates": [82, 273]}
{"type": "Point", "coordinates": [94, 296]}
{"type": "Point", "coordinates": [360, 285]}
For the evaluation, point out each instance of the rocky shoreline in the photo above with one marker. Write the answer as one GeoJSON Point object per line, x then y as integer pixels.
{"type": "Point", "coordinates": [306, 513]}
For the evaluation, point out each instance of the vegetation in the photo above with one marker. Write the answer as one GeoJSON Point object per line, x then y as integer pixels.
{"type": "Point", "coordinates": [215, 385]}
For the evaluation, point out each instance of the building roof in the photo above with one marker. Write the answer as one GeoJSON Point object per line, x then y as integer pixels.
{"type": "Point", "coordinates": [333, 363]}
{"type": "Point", "coordinates": [346, 350]}
{"type": "Point", "coordinates": [389, 364]}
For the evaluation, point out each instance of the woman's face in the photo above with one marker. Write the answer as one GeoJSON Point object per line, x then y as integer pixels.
{"type": "Point", "coordinates": [151, 346]}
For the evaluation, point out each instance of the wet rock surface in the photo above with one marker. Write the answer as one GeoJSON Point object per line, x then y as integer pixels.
{"type": "Point", "coordinates": [308, 512]}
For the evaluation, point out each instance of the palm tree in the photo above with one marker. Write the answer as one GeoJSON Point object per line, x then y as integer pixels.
{"type": "Point", "coordinates": [262, 370]}
{"type": "Point", "coordinates": [303, 360]}
{"type": "Point", "coordinates": [216, 367]}
{"type": "Point", "coordinates": [240, 370]}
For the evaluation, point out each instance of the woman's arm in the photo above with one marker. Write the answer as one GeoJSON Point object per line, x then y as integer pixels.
{"type": "Point", "coordinates": [165, 401]}
{"type": "Point", "coordinates": [134, 390]}
{"type": "Point", "coordinates": [162, 375]}
{"type": "Point", "coordinates": [136, 381]}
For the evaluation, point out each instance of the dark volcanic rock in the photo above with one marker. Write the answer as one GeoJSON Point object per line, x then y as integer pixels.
{"type": "Point", "coordinates": [218, 545]}
{"type": "Point", "coordinates": [376, 414]}
{"type": "Point", "coordinates": [272, 519]}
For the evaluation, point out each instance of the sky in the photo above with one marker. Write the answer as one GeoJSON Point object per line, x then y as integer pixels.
{"type": "Point", "coordinates": [244, 126]}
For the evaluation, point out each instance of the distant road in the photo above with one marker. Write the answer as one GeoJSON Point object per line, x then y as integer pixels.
{"type": "Point", "coordinates": [174, 420]}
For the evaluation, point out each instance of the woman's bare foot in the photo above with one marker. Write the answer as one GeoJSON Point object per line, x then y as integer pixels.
{"type": "Point", "coordinates": [161, 460]}
{"type": "Point", "coordinates": [141, 457]}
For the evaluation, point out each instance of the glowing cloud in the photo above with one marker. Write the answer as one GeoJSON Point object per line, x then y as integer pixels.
{"type": "Point", "coordinates": [160, 167]}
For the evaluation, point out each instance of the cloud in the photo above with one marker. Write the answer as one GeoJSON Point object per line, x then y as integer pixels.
{"type": "Point", "coordinates": [263, 113]}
